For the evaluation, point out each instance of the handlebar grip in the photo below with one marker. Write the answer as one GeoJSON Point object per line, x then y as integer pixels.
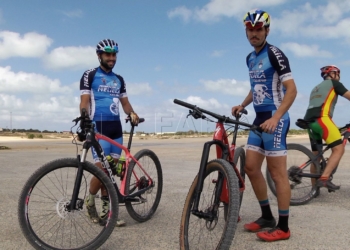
{"type": "Point", "coordinates": [185, 104]}
{"type": "Point", "coordinates": [141, 120]}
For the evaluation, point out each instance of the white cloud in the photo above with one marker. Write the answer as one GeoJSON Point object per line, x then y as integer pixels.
{"type": "Point", "coordinates": [36, 101]}
{"type": "Point", "coordinates": [303, 50]}
{"type": "Point", "coordinates": [22, 82]}
{"type": "Point", "coordinates": [71, 58]}
{"type": "Point", "coordinates": [29, 45]}
{"type": "Point", "coordinates": [138, 88]}
{"type": "Point", "coordinates": [182, 12]}
{"type": "Point", "coordinates": [218, 53]}
{"type": "Point", "coordinates": [209, 104]}
{"type": "Point", "coordinates": [227, 86]}
{"type": "Point", "coordinates": [321, 22]}
{"type": "Point", "coordinates": [216, 9]}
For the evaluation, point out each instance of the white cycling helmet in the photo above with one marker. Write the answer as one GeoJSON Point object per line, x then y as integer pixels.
{"type": "Point", "coordinates": [108, 46]}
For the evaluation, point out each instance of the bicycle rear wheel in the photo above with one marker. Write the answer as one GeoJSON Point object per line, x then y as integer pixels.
{"type": "Point", "coordinates": [136, 179]}
{"type": "Point", "coordinates": [302, 188]}
{"type": "Point", "coordinates": [43, 211]}
{"type": "Point", "coordinates": [217, 232]}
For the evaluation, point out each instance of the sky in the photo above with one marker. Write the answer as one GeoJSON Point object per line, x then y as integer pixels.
{"type": "Point", "coordinates": [194, 51]}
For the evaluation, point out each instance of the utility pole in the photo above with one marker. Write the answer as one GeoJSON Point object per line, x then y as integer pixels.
{"type": "Point", "coordinates": [11, 121]}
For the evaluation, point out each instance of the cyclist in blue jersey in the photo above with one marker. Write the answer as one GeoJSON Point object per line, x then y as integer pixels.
{"type": "Point", "coordinates": [101, 91]}
{"type": "Point", "coordinates": [272, 93]}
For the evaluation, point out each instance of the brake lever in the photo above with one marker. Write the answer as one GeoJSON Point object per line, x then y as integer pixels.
{"type": "Point", "coordinates": [196, 114]}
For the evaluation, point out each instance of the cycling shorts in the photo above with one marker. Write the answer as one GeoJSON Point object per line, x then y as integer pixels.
{"type": "Point", "coordinates": [324, 128]}
{"type": "Point", "coordinates": [113, 130]}
{"type": "Point", "coordinates": [269, 144]}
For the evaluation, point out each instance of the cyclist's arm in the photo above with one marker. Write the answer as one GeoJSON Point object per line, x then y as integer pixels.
{"type": "Point", "coordinates": [248, 100]}
{"type": "Point", "coordinates": [288, 99]}
{"type": "Point", "coordinates": [126, 105]}
{"type": "Point", "coordinates": [84, 102]}
{"type": "Point", "coordinates": [347, 95]}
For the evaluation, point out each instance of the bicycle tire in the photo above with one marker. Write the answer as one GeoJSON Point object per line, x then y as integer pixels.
{"type": "Point", "coordinates": [147, 205]}
{"type": "Point", "coordinates": [224, 233]}
{"type": "Point", "coordinates": [41, 207]}
{"type": "Point", "coordinates": [302, 190]}
{"type": "Point", "coordinates": [239, 162]}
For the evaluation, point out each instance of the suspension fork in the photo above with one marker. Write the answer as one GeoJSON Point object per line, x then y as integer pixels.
{"type": "Point", "coordinates": [77, 183]}
{"type": "Point", "coordinates": [202, 168]}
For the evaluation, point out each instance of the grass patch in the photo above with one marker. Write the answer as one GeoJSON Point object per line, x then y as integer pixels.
{"type": "Point", "coordinates": [4, 147]}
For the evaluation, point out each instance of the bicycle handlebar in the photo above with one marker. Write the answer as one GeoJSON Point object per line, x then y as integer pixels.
{"type": "Point", "coordinates": [221, 118]}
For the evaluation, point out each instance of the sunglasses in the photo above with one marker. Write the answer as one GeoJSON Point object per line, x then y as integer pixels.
{"type": "Point", "coordinates": [250, 26]}
{"type": "Point", "coordinates": [110, 49]}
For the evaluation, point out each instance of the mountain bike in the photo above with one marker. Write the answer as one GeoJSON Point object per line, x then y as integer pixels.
{"type": "Point", "coordinates": [51, 209]}
{"type": "Point", "coordinates": [211, 210]}
{"type": "Point", "coordinates": [304, 168]}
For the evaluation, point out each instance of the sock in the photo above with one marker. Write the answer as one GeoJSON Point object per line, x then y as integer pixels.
{"type": "Point", "coordinates": [265, 209]}
{"type": "Point", "coordinates": [283, 220]}
{"type": "Point", "coordinates": [91, 199]}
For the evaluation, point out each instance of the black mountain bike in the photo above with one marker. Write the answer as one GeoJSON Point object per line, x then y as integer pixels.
{"type": "Point", "coordinates": [304, 168]}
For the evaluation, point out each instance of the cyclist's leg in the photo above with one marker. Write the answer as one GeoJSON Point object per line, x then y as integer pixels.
{"type": "Point", "coordinates": [316, 145]}
{"type": "Point", "coordinates": [276, 158]}
{"type": "Point", "coordinates": [115, 152]}
{"type": "Point", "coordinates": [332, 136]}
{"type": "Point", "coordinates": [255, 155]}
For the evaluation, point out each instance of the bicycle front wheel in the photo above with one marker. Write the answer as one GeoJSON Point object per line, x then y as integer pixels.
{"type": "Point", "coordinates": [43, 209]}
{"type": "Point", "coordinates": [302, 188]}
{"type": "Point", "coordinates": [146, 203]}
{"type": "Point", "coordinates": [215, 231]}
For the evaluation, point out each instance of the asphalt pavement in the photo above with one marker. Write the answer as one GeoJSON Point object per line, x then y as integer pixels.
{"type": "Point", "coordinates": [321, 224]}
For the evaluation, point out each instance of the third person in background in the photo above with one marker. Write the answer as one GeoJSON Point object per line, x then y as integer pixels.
{"type": "Point", "coordinates": [322, 102]}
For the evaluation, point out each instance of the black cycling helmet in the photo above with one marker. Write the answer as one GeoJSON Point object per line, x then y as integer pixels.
{"type": "Point", "coordinates": [107, 45]}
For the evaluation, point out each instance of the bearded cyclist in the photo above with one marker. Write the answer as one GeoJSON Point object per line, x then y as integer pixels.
{"type": "Point", "coordinates": [101, 91]}
{"type": "Point", "coordinates": [323, 99]}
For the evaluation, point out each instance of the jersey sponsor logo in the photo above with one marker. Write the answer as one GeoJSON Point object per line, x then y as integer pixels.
{"type": "Point", "coordinates": [86, 78]}
{"type": "Point", "coordinates": [278, 134]}
{"type": "Point", "coordinates": [257, 75]}
{"type": "Point", "coordinates": [114, 108]}
{"type": "Point", "coordinates": [260, 93]}
{"type": "Point", "coordinates": [279, 57]}
{"type": "Point", "coordinates": [111, 87]}
{"type": "Point", "coordinates": [260, 64]}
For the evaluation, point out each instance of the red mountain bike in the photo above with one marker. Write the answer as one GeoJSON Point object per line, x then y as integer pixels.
{"type": "Point", "coordinates": [51, 209]}
{"type": "Point", "coordinates": [211, 210]}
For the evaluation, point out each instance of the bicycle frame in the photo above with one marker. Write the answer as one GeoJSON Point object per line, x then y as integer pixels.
{"type": "Point", "coordinates": [221, 135]}
{"type": "Point", "coordinates": [92, 141]}
{"type": "Point", "coordinates": [224, 151]}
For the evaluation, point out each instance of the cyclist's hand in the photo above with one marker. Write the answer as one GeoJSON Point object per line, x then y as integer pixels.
{"type": "Point", "coordinates": [134, 118]}
{"type": "Point", "coordinates": [270, 125]}
{"type": "Point", "coordinates": [236, 109]}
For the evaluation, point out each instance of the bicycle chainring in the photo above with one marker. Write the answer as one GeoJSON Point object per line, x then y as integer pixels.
{"type": "Point", "coordinates": [294, 174]}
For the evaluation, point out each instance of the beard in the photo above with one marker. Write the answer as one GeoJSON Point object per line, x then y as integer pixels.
{"type": "Point", "coordinates": [106, 65]}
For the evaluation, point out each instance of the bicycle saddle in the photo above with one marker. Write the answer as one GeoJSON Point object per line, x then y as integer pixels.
{"type": "Point", "coordinates": [304, 124]}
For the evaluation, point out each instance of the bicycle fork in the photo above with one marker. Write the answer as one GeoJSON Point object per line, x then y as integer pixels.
{"type": "Point", "coordinates": [201, 176]}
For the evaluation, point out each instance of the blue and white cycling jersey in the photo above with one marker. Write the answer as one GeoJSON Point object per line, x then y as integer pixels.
{"type": "Point", "coordinates": [267, 70]}
{"type": "Point", "coordinates": [104, 89]}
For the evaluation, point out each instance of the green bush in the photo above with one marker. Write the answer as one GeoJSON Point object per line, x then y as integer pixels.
{"type": "Point", "coordinates": [30, 136]}
{"type": "Point", "coordinates": [40, 136]}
